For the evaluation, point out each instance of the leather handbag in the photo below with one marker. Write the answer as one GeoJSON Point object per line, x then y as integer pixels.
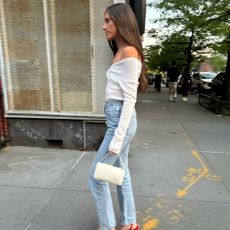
{"type": "Point", "coordinates": [110, 173]}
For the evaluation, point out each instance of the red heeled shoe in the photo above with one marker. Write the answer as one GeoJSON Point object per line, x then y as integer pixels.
{"type": "Point", "coordinates": [137, 227]}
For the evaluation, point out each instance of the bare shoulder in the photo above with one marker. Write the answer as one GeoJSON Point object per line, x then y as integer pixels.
{"type": "Point", "coordinates": [130, 51]}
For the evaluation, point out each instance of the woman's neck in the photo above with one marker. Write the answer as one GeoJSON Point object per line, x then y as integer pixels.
{"type": "Point", "coordinates": [120, 43]}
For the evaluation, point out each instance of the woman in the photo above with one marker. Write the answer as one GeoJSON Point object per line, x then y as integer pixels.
{"type": "Point", "coordinates": [186, 83]}
{"type": "Point", "coordinates": [124, 77]}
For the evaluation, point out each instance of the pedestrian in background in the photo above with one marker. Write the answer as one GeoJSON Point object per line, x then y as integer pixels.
{"type": "Point", "coordinates": [158, 80]}
{"type": "Point", "coordinates": [186, 83]}
{"type": "Point", "coordinates": [172, 76]}
{"type": "Point", "coordinates": [124, 77]}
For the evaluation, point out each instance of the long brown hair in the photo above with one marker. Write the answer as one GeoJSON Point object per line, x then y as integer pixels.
{"type": "Point", "coordinates": [128, 30]}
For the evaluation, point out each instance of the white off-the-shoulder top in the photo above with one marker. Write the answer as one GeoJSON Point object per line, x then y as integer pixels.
{"type": "Point", "coordinates": [122, 84]}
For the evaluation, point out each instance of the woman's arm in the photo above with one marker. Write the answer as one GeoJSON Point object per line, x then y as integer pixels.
{"type": "Point", "coordinates": [128, 81]}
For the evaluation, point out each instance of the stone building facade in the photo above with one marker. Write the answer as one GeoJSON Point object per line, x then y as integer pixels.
{"type": "Point", "coordinates": [54, 57]}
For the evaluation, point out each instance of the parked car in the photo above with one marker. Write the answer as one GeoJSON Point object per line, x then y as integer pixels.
{"type": "Point", "coordinates": [200, 81]}
{"type": "Point", "coordinates": [217, 84]}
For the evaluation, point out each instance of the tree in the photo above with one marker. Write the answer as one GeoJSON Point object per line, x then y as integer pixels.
{"type": "Point", "coordinates": [224, 46]}
{"type": "Point", "coordinates": [172, 48]}
{"type": "Point", "coordinates": [196, 21]}
{"type": "Point", "coordinates": [218, 63]}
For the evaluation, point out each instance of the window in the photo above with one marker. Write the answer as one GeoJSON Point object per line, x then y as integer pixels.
{"type": "Point", "coordinates": [46, 53]}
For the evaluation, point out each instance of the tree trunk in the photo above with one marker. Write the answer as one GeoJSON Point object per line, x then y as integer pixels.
{"type": "Point", "coordinates": [189, 60]}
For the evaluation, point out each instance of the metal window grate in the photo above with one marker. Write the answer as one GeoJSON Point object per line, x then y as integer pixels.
{"type": "Point", "coordinates": [47, 55]}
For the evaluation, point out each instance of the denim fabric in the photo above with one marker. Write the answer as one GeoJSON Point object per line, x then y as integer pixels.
{"type": "Point", "coordinates": [100, 190]}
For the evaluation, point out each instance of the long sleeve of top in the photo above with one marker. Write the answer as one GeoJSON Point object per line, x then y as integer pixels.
{"type": "Point", "coordinates": [122, 84]}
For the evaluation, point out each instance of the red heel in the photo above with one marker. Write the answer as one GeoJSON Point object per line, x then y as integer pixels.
{"type": "Point", "coordinates": [137, 227]}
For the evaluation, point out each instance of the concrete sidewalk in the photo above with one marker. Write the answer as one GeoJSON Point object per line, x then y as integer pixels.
{"type": "Point", "coordinates": [179, 161]}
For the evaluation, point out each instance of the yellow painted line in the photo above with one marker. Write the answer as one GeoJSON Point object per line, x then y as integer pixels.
{"type": "Point", "coordinates": [184, 191]}
{"type": "Point", "coordinates": [147, 218]}
{"type": "Point", "coordinates": [196, 154]}
{"type": "Point", "coordinates": [150, 224]}
{"type": "Point", "coordinates": [213, 177]}
{"type": "Point", "coordinates": [149, 210]}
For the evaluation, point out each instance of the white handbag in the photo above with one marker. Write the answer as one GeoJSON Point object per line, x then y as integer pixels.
{"type": "Point", "coordinates": [110, 173]}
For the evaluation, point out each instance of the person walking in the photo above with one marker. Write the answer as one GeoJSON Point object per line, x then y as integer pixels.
{"type": "Point", "coordinates": [186, 83]}
{"type": "Point", "coordinates": [158, 80]}
{"type": "Point", "coordinates": [172, 76]}
{"type": "Point", "coordinates": [125, 77]}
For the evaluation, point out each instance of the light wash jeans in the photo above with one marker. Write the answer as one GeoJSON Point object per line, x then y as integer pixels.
{"type": "Point", "coordinates": [100, 190]}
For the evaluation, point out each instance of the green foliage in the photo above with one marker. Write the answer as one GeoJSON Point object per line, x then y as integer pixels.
{"type": "Point", "coordinates": [218, 63]}
{"type": "Point", "coordinates": [174, 48]}
{"type": "Point", "coordinates": [193, 25]}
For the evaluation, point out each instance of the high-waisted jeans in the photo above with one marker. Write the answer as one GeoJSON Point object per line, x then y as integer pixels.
{"type": "Point", "coordinates": [100, 190]}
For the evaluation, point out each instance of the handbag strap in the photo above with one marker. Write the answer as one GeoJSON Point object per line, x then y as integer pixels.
{"type": "Point", "coordinates": [118, 156]}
